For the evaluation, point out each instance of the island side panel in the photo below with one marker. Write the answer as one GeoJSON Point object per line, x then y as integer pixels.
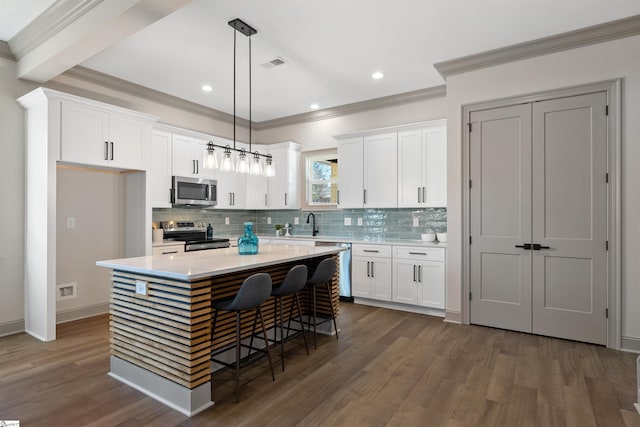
{"type": "Point", "coordinates": [167, 331]}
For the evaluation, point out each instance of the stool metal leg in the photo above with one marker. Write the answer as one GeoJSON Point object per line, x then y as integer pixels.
{"type": "Point", "coordinates": [304, 336]}
{"type": "Point", "coordinates": [281, 334]}
{"type": "Point", "coordinates": [238, 338]}
{"type": "Point", "coordinates": [315, 321]}
{"type": "Point", "coordinates": [266, 342]}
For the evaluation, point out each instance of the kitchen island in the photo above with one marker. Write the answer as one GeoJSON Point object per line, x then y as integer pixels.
{"type": "Point", "coordinates": [160, 315]}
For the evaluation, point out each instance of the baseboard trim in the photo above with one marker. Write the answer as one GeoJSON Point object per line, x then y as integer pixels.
{"type": "Point", "coordinates": [400, 307]}
{"type": "Point", "coordinates": [453, 316]}
{"type": "Point", "coordinates": [630, 344]}
{"type": "Point", "coordinates": [82, 313]}
{"type": "Point", "coordinates": [11, 328]}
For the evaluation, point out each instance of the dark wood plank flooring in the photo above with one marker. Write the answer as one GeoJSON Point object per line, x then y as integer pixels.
{"type": "Point", "coordinates": [388, 368]}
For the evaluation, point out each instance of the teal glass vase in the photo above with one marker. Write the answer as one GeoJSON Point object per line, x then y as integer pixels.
{"type": "Point", "coordinates": [248, 242]}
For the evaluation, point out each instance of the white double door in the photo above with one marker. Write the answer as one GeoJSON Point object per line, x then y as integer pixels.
{"type": "Point", "coordinates": [538, 218]}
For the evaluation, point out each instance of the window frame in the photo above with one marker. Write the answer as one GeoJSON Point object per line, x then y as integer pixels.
{"type": "Point", "coordinates": [309, 158]}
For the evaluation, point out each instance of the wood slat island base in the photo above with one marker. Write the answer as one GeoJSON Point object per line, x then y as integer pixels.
{"type": "Point", "coordinates": [160, 315]}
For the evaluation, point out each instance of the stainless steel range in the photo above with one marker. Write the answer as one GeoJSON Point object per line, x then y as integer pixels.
{"type": "Point", "coordinates": [193, 234]}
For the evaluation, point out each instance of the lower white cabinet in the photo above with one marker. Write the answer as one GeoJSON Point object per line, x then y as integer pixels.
{"type": "Point", "coordinates": [419, 276]}
{"type": "Point", "coordinates": [371, 277]}
{"type": "Point", "coordinates": [168, 249]}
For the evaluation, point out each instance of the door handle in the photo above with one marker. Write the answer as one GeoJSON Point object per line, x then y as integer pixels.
{"type": "Point", "coordinates": [424, 194]}
{"type": "Point", "coordinates": [537, 247]}
{"type": "Point", "coordinates": [111, 150]}
{"type": "Point", "coordinates": [526, 246]}
{"type": "Point", "coordinates": [106, 150]}
{"type": "Point", "coordinates": [338, 197]}
{"type": "Point", "coordinates": [368, 274]}
{"type": "Point", "coordinates": [414, 272]}
{"type": "Point", "coordinates": [420, 274]}
{"type": "Point", "coordinates": [364, 196]}
{"type": "Point", "coordinates": [372, 272]}
{"type": "Point", "coordinates": [418, 194]}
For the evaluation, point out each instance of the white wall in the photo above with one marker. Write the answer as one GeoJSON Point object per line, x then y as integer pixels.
{"type": "Point", "coordinates": [319, 135]}
{"type": "Point", "coordinates": [12, 177]}
{"type": "Point", "coordinates": [605, 61]}
{"type": "Point", "coordinates": [95, 199]}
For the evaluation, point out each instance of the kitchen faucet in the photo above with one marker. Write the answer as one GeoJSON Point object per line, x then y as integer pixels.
{"type": "Point", "coordinates": [314, 230]}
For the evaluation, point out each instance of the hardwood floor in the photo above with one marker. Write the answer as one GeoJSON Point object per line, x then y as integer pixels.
{"type": "Point", "coordinates": [388, 368]}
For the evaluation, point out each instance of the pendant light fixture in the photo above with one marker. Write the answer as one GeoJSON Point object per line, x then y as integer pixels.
{"type": "Point", "coordinates": [246, 163]}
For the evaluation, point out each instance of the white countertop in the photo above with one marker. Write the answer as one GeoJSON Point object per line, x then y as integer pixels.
{"type": "Point", "coordinates": [200, 264]}
{"type": "Point", "coordinates": [339, 239]}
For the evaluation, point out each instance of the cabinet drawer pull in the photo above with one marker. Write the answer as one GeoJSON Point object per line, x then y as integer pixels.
{"type": "Point", "coordinates": [370, 250]}
{"type": "Point", "coordinates": [417, 253]}
{"type": "Point", "coordinates": [170, 252]}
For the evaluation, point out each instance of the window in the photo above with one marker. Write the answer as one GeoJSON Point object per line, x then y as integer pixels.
{"type": "Point", "coordinates": [322, 179]}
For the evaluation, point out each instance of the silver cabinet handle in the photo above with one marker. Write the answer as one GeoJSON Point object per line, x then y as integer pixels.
{"type": "Point", "coordinates": [111, 150]}
{"type": "Point", "coordinates": [364, 197]}
{"type": "Point", "coordinates": [420, 273]}
{"type": "Point", "coordinates": [285, 199]}
{"type": "Point", "coordinates": [417, 253]}
{"type": "Point", "coordinates": [106, 150]}
{"type": "Point", "coordinates": [170, 252]}
{"type": "Point", "coordinates": [424, 195]}
{"type": "Point", "coordinates": [193, 167]}
{"type": "Point", "coordinates": [338, 197]}
{"type": "Point", "coordinates": [230, 199]}
{"type": "Point", "coordinates": [368, 274]}
{"type": "Point", "coordinates": [414, 272]}
{"type": "Point", "coordinates": [370, 250]}
{"type": "Point", "coordinates": [372, 272]}
{"type": "Point", "coordinates": [197, 167]}
{"type": "Point", "coordinates": [418, 194]}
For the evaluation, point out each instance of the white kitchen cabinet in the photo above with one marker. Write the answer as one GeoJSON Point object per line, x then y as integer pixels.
{"type": "Point", "coordinates": [159, 174]}
{"type": "Point", "coordinates": [367, 174]}
{"type": "Point", "coordinates": [350, 172]}
{"type": "Point", "coordinates": [283, 187]}
{"type": "Point", "coordinates": [422, 166]}
{"type": "Point", "coordinates": [168, 249]}
{"type": "Point", "coordinates": [257, 185]}
{"type": "Point", "coordinates": [187, 154]}
{"type": "Point", "coordinates": [371, 266]}
{"type": "Point", "coordinates": [419, 276]}
{"type": "Point", "coordinates": [232, 190]}
{"type": "Point", "coordinates": [380, 170]}
{"type": "Point", "coordinates": [100, 137]}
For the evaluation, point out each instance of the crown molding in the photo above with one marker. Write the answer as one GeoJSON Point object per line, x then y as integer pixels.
{"type": "Point", "coordinates": [114, 83]}
{"type": "Point", "coordinates": [5, 51]}
{"type": "Point", "coordinates": [356, 107]}
{"type": "Point", "coordinates": [608, 31]}
{"type": "Point", "coordinates": [49, 23]}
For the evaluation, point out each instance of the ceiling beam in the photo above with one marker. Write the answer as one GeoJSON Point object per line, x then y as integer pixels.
{"type": "Point", "coordinates": [72, 31]}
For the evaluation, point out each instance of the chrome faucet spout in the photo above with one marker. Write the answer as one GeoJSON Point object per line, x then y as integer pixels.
{"type": "Point", "coordinates": [314, 230]}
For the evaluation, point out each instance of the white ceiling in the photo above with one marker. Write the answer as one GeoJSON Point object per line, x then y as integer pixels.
{"type": "Point", "coordinates": [330, 47]}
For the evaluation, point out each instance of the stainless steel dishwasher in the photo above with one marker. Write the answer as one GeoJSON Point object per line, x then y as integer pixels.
{"type": "Point", "coordinates": [345, 268]}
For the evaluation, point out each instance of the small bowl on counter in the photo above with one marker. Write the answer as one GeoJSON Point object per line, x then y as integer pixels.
{"type": "Point", "coordinates": [429, 237]}
{"type": "Point", "coordinates": [442, 237]}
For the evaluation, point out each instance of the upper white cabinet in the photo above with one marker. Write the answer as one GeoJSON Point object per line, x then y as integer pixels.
{"type": "Point", "coordinates": [380, 170]}
{"type": "Point", "coordinates": [403, 166]}
{"type": "Point", "coordinates": [422, 166]}
{"type": "Point", "coordinates": [351, 172]}
{"type": "Point", "coordinates": [283, 187]}
{"type": "Point", "coordinates": [92, 135]}
{"type": "Point", "coordinates": [159, 174]}
{"type": "Point", "coordinates": [187, 156]}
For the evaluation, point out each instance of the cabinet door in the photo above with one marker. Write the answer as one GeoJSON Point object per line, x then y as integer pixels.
{"type": "Point", "coordinates": [351, 172]}
{"type": "Point", "coordinates": [84, 135]}
{"type": "Point", "coordinates": [232, 191]}
{"type": "Point", "coordinates": [405, 281]}
{"type": "Point", "coordinates": [361, 283]}
{"type": "Point", "coordinates": [257, 192]}
{"type": "Point", "coordinates": [126, 141]}
{"type": "Point", "coordinates": [381, 279]}
{"type": "Point", "coordinates": [183, 163]}
{"type": "Point", "coordinates": [381, 170]}
{"type": "Point", "coordinates": [283, 187]}
{"type": "Point", "coordinates": [410, 166]}
{"type": "Point", "coordinates": [435, 170]}
{"type": "Point", "coordinates": [431, 281]}
{"type": "Point", "coordinates": [159, 174]}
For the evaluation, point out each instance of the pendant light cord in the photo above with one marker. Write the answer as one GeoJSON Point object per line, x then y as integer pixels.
{"type": "Point", "coordinates": [249, 93]}
{"type": "Point", "coordinates": [234, 88]}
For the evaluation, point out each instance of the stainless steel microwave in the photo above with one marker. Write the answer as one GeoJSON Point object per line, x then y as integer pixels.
{"type": "Point", "coordinates": [194, 191]}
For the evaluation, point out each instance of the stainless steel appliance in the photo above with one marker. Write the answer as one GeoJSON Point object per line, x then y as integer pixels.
{"type": "Point", "coordinates": [345, 268]}
{"type": "Point", "coordinates": [193, 234]}
{"type": "Point", "coordinates": [194, 191]}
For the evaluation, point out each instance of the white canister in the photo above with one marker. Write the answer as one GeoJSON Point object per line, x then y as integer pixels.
{"type": "Point", "coordinates": [158, 235]}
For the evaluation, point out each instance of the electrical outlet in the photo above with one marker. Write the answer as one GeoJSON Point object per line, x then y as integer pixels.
{"type": "Point", "coordinates": [226, 220]}
{"type": "Point", "coordinates": [66, 291]}
{"type": "Point", "coordinates": [141, 287]}
{"type": "Point", "coordinates": [296, 220]}
{"type": "Point", "coordinates": [416, 222]}
{"type": "Point", "coordinates": [347, 221]}
{"type": "Point", "coordinates": [71, 222]}
{"type": "Point", "coordinates": [360, 221]}
{"type": "Point", "coordinates": [269, 220]}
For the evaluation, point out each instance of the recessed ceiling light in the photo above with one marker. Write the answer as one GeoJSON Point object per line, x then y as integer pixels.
{"type": "Point", "coordinates": [377, 75]}
{"type": "Point", "coordinates": [207, 88]}
{"type": "Point", "coordinates": [314, 106]}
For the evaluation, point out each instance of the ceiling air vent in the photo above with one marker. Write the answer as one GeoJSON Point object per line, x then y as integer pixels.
{"type": "Point", "coordinates": [274, 63]}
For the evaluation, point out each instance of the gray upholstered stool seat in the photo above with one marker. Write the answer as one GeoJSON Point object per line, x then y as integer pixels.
{"type": "Point", "coordinates": [293, 282]}
{"type": "Point", "coordinates": [254, 291]}
{"type": "Point", "coordinates": [322, 276]}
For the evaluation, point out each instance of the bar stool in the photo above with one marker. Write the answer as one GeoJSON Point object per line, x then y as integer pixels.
{"type": "Point", "coordinates": [293, 282]}
{"type": "Point", "coordinates": [252, 293]}
{"type": "Point", "coordinates": [322, 276]}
